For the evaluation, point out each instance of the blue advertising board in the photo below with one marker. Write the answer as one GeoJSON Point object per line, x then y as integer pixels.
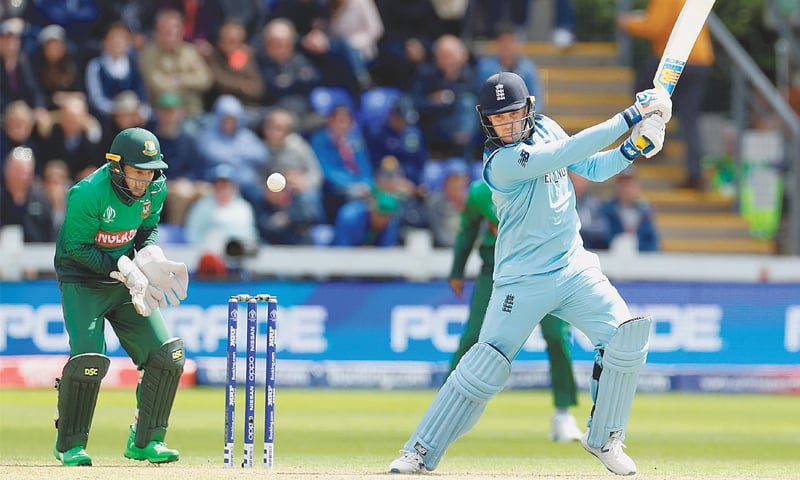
{"type": "Point", "coordinates": [708, 324]}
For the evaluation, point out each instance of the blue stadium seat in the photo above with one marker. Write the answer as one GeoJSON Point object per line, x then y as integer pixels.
{"type": "Point", "coordinates": [325, 99]}
{"type": "Point", "coordinates": [376, 103]}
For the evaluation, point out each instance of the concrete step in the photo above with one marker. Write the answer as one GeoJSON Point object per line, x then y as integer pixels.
{"type": "Point", "coordinates": [719, 245]}
{"type": "Point", "coordinates": [686, 200]}
{"type": "Point", "coordinates": [597, 80]}
{"type": "Point", "coordinates": [576, 103]}
{"type": "Point", "coordinates": [547, 54]}
{"type": "Point", "coordinates": [702, 225]}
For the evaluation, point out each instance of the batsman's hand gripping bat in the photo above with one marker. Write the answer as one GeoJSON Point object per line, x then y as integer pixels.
{"type": "Point", "coordinates": [680, 44]}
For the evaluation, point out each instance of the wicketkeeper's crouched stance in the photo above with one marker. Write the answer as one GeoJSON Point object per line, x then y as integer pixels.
{"type": "Point", "coordinates": [542, 268]}
{"type": "Point", "coordinates": [112, 215]}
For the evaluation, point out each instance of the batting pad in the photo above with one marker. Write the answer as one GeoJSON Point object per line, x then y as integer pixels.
{"type": "Point", "coordinates": [624, 356]}
{"type": "Point", "coordinates": [162, 372]}
{"type": "Point", "coordinates": [480, 374]}
{"type": "Point", "coordinates": [77, 397]}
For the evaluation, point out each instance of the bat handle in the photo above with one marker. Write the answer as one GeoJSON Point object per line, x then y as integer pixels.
{"type": "Point", "coordinates": [641, 143]}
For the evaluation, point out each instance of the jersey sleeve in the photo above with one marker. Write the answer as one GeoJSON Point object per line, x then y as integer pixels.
{"type": "Point", "coordinates": [81, 224]}
{"type": "Point", "coordinates": [510, 165]}
{"type": "Point", "coordinates": [468, 232]}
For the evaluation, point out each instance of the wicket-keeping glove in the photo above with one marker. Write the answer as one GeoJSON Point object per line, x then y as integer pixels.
{"type": "Point", "coordinates": [133, 278]}
{"type": "Point", "coordinates": [172, 278]}
{"type": "Point", "coordinates": [649, 102]}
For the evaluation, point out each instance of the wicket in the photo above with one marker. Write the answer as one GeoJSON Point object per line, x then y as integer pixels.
{"type": "Point", "coordinates": [250, 379]}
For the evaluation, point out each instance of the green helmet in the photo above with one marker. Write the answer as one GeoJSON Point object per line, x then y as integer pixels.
{"type": "Point", "coordinates": [138, 148]}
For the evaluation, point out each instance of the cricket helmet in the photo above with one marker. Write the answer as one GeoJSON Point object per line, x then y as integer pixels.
{"type": "Point", "coordinates": [138, 148]}
{"type": "Point", "coordinates": [502, 93]}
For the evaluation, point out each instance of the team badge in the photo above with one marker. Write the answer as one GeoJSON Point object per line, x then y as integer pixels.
{"type": "Point", "coordinates": [499, 92]}
{"type": "Point", "coordinates": [150, 148]}
{"type": "Point", "coordinates": [145, 209]}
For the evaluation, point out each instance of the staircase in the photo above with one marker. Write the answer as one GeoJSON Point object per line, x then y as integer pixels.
{"type": "Point", "coordinates": [584, 85]}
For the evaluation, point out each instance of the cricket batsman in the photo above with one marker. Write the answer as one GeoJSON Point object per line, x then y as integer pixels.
{"type": "Point", "coordinates": [109, 267]}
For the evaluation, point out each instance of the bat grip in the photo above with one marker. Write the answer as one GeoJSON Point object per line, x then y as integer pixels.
{"type": "Point", "coordinates": [641, 143]}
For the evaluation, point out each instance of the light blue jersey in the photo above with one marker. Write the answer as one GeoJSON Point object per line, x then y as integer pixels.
{"type": "Point", "coordinates": [539, 225]}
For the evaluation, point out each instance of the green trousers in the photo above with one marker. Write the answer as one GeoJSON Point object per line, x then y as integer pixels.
{"type": "Point", "coordinates": [86, 306]}
{"type": "Point", "coordinates": [554, 330]}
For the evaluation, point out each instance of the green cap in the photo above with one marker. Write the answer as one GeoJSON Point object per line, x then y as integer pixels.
{"type": "Point", "coordinates": [138, 148]}
{"type": "Point", "coordinates": [169, 100]}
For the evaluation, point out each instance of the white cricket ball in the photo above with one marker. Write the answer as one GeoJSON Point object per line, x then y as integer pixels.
{"type": "Point", "coordinates": [276, 182]}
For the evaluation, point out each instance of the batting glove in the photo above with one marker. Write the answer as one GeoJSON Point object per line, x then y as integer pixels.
{"type": "Point", "coordinates": [649, 102]}
{"type": "Point", "coordinates": [652, 130]}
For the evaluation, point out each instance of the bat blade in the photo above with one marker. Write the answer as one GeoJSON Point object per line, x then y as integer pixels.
{"type": "Point", "coordinates": [681, 41]}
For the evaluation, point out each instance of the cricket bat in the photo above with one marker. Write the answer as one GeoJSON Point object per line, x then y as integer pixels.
{"type": "Point", "coordinates": [680, 44]}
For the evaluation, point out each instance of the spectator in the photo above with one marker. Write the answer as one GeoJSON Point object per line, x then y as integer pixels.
{"type": "Point", "coordinates": [55, 66]}
{"type": "Point", "coordinates": [223, 216]}
{"type": "Point", "coordinates": [627, 212]}
{"type": "Point", "coordinates": [113, 71]}
{"type": "Point", "coordinates": [444, 95]}
{"type": "Point", "coordinates": [338, 64]}
{"type": "Point", "coordinates": [509, 59]}
{"type": "Point", "coordinates": [359, 23]}
{"type": "Point", "coordinates": [186, 180]}
{"type": "Point", "coordinates": [410, 28]}
{"type": "Point", "coordinates": [22, 200]}
{"type": "Point", "coordinates": [371, 221]}
{"type": "Point", "coordinates": [344, 158]}
{"type": "Point", "coordinates": [291, 155]}
{"type": "Point", "coordinates": [18, 129]}
{"type": "Point", "coordinates": [286, 217]}
{"type": "Point", "coordinates": [228, 140]}
{"type": "Point", "coordinates": [56, 183]}
{"type": "Point", "coordinates": [594, 226]}
{"type": "Point", "coordinates": [126, 112]}
{"type": "Point", "coordinates": [74, 136]}
{"type": "Point", "coordinates": [443, 207]}
{"type": "Point", "coordinates": [289, 76]}
{"type": "Point", "coordinates": [168, 63]}
{"type": "Point", "coordinates": [17, 78]}
{"type": "Point", "coordinates": [564, 27]}
{"type": "Point", "coordinates": [400, 137]}
{"type": "Point", "coordinates": [234, 67]}
{"type": "Point", "coordinates": [656, 26]}
{"type": "Point", "coordinates": [390, 178]}
{"type": "Point", "coordinates": [135, 15]}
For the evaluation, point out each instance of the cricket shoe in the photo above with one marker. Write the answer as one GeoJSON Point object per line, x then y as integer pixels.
{"type": "Point", "coordinates": [565, 428]}
{"type": "Point", "coordinates": [153, 452]}
{"type": "Point", "coordinates": [74, 457]}
{"type": "Point", "coordinates": [409, 462]}
{"type": "Point", "coordinates": [611, 454]}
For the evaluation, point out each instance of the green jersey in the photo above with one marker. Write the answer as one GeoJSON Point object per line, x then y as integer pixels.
{"type": "Point", "coordinates": [100, 227]}
{"type": "Point", "coordinates": [479, 215]}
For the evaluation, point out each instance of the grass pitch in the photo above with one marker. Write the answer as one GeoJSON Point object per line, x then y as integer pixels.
{"type": "Point", "coordinates": [343, 434]}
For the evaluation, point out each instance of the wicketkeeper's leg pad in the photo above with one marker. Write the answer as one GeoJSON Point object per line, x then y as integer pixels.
{"type": "Point", "coordinates": [481, 373]}
{"type": "Point", "coordinates": [157, 389]}
{"type": "Point", "coordinates": [77, 396]}
{"type": "Point", "coordinates": [614, 381]}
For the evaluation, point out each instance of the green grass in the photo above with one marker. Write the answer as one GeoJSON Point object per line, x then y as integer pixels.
{"type": "Point", "coordinates": [324, 433]}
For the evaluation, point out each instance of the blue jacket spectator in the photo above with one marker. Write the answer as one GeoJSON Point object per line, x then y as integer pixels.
{"type": "Point", "coordinates": [228, 140]}
{"type": "Point", "coordinates": [344, 158]}
{"type": "Point", "coordinates": [17, 78]}
{"type": "Point", "coordinates": [400, 136]}
{"type": "Point", "coordinates": [113, 71]}
{"type": "Point", "coordinates": [368, 222]}
{"type": "Point", "coordinates": [626, 212]}
{"type": "Point", "coordinates": [509, 59]}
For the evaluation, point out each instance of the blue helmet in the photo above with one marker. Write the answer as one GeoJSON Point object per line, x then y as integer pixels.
{"type": "Point", "coordinates": [501, 93]}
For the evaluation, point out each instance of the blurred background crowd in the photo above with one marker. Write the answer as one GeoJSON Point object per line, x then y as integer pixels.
{"type": "Point", "coordinates": [367, 107]}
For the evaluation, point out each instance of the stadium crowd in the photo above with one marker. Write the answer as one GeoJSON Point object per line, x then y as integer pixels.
{"type": "Point", "coordinates": [367, 107]}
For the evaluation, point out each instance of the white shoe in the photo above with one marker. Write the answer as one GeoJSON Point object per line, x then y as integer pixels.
{"type": "Point", "coordinates": [611, 454]}
{"type": "Point", "coordinates": [409, 462]}
{"type": "Point", "coordinates": [565, 428]}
